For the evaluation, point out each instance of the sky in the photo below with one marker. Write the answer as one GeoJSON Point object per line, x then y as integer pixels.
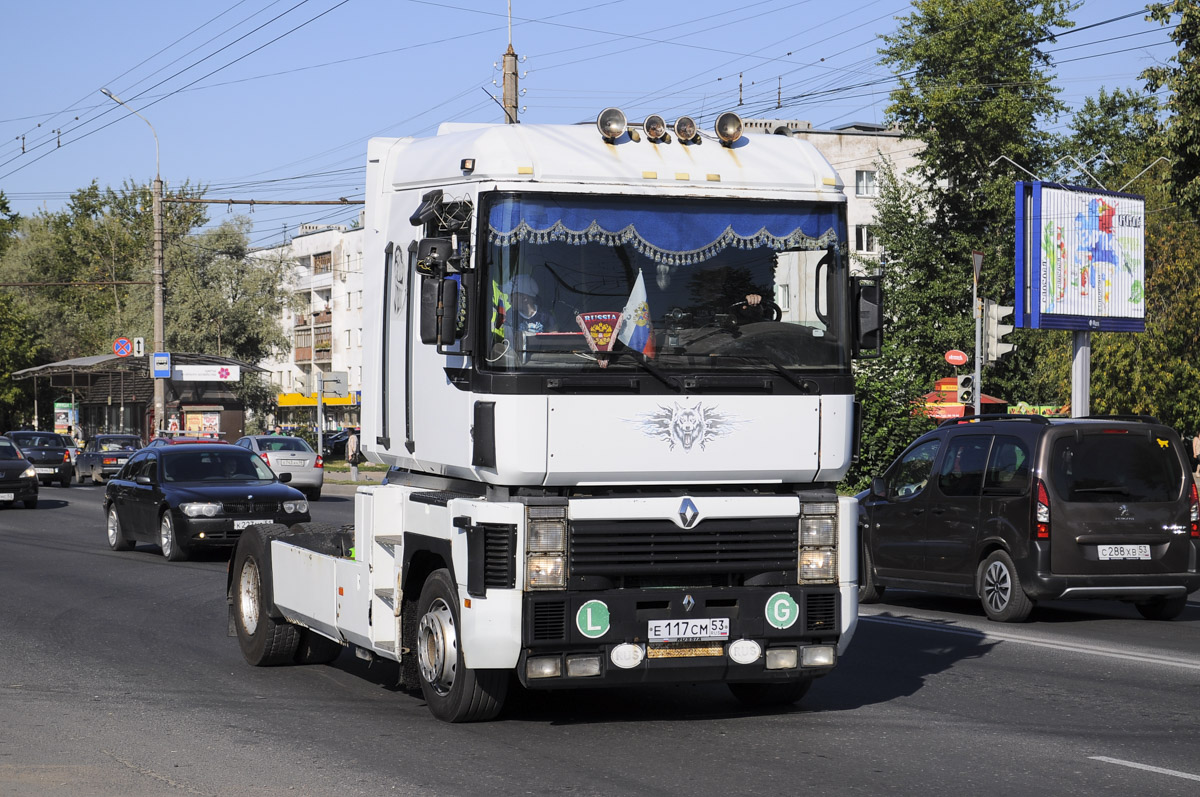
{"type": "Point", "coordinates": [276, 99]}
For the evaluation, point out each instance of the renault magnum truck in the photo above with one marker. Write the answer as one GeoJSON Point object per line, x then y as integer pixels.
{"type": "Point", "coordinates": [610, 369]}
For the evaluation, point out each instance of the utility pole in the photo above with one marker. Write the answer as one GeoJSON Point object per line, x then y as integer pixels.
{"type": "Point", "coordinates": [977, 263]}
{"type": "Point", "coordinates": [160, 410]}
{"type": "Point", "coordinates": [510, 76]}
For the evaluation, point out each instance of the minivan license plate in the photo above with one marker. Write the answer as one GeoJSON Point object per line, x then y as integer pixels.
{"type": "Point", "coordinates": [693, 629]}
{"type": "Point", "coordinates": [1106, 552]}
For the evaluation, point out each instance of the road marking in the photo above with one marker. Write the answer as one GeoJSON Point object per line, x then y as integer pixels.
{"type": "Point", "coordinates": [1146, 767]}
{"type": "Point", "coordinates": [926, 625]}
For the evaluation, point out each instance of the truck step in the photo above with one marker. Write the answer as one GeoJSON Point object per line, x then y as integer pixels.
{"type": "Point", "coordinates": [389, 539]}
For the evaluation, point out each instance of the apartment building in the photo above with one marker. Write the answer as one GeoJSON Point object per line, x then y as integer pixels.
{"type": "Point", "coordinates": [326, 330]}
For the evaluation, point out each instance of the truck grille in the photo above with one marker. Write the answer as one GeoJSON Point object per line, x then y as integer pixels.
{"type": "Point", "coordinates": [549, 621]}
{"type": "Point", "coordinates": [822, 612]}
{"type": "Point", "coordinates": [499, 545]}
{"type": "Point", "coordinates": [634, 548]}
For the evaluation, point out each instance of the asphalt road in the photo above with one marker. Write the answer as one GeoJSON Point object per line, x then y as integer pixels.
{"type": "Point", "coordinates": [117, 678]}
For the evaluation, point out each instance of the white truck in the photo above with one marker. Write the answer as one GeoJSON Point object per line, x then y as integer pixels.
{"type": "Point", "coordinates": [610, 368]}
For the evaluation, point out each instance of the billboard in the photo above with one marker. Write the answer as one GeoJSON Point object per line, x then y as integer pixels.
{"type": "Point", "coordinates": [1080, 259]}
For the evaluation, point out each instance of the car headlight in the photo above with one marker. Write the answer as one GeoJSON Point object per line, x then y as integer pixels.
{"type": "Point", "coordinates": [30, 473]}
{"type": "Point", "coordinates": [292, 507]}
{"type": "Point", "coordinates": [200, 509]}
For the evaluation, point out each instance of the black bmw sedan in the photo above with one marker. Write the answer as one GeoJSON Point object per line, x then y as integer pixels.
{"type": "Point", "coordinates": [205, 495]}
{"type": "Point", "coordinates": [18, 476]}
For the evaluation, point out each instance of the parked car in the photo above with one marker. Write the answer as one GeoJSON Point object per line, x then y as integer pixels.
{"type": "Point", "coordinates": [1017, 509]}
{"type": "Point", "coordinates": [18, 476]}
{"type": "Point", "coordinates": [173, 440]}
{"type": "Point", "coordinates": [187, 497]}
{"type": "Point", "coordinates": [48, 453]}
{"type": "Point", "coordinates": [335, 444]}
{"type": "Point", "coordinates": [292, 455]}
{"type": "Point", "coordinates": [104, 455]}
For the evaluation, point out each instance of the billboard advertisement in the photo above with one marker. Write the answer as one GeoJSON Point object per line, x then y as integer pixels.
{"type": "Point", "coordinates": [1080, 259]}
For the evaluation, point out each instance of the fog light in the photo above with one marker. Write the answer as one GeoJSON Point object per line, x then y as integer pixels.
{"type": "Point", "coordinates": [611, 124]}
{"type": "Point", "coordinates": [545, 572]}
{"type": "Point", "coordinates": [781, 659]}
{"type": "Point", "coordinates": [543, 667]}
{"type": "Point", "coordinates": [744, 651]}
{"type": "Point", "coordinates": [818, 565]}
{"type": "Point", "coordinates": [200, 535]}
{"type": "Point", "coordinates": [728, 127]}
{"type": "Point", "coordinates": [583, 666]}
{"type": "Point", "coordinates": [818, 656]}
{"type": "Point", "coordinates": [685, 128]}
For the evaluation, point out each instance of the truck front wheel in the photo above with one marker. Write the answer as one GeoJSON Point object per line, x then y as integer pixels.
{"type": "Point", "coordinates": [452, 692]}
{"type": "Point", "coordinates": [264, 640]}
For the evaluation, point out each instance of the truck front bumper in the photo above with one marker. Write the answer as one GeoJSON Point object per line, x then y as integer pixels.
{"type": "Point", "coordinates": [603, 638]}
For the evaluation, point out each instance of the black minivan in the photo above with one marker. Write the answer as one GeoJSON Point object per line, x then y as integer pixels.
{"type": "Point", "coordinates": [1015, 509]}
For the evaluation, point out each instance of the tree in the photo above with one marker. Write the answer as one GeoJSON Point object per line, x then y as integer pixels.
{"type": "Point", "coordinates": [22, 349]}
{"type": "Point", "coordinates": [1181, 129]}
{"type": "Point", "coordinates": [973, 86]}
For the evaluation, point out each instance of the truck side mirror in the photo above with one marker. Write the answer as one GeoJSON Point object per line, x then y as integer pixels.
{"type": "Point", "coordinates": [439, 311]}
{"type": "Point", "coordinates": [433, 255]}
{"type": "Point", "coordinates": [868, 304]}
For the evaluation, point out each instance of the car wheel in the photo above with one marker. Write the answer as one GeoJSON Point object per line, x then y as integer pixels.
{"type": "Point", "coordinates": [314, 494]}
{"type": "Point", "coordinates": [1162, 608]}
{"type": "Point", "coordinates": [65, 481]}
{"type": "Point", "coordinates": [263, 639]}
{"type": "Point", "coordinates": [172, 548]}
{"type": "Point", "coordinates": [868, 590]}
{"type": "Point", "coordinates": [452, 692]}
{"type": "Point", "coordinates": [30, 503]}
{"type": "Point", "coordinates": [78, 475]}
{"type": "Point", "coordinates": [783, 694]}
{"type": "Point", "coordinates": [1000, 591]}
{"type": "Point", "coordinates": [116, 538]}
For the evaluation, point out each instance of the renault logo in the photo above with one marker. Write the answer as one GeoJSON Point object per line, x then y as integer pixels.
{"type": "Point", "coordinates": [688, 603]}
{"type": "Point", "coordinates": [688, 513]}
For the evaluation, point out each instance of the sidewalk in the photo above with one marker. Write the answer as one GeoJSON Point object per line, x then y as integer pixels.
{"type": "Point", "coordinates": [338, 483]}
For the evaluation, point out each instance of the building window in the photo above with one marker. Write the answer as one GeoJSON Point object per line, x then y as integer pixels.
{"type": "Point", "coordinates": [864, 238]}
{"type": "Point", "coordinates": [864, 183]}
{"type": "Point", "coordinates": [322, 262]}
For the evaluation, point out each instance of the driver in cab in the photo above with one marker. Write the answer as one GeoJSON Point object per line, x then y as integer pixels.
{"type": "Point", "coordinates": [527, 315]}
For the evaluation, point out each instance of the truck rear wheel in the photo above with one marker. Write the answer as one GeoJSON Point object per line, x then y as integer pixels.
{"type": "Point", "coordinates": [782, 694]}
{"type": "Point", "coordinates": [452, 692]}
{"type": "Point", "coordinates": [264, 640]}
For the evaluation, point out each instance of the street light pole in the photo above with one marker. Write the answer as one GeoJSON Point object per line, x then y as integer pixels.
{"type": "Point", "coordinates": [160, 409]}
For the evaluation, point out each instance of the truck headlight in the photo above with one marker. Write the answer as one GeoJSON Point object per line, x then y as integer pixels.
{"type": "Point", "coordinates": [546, 546]}
{"type": "Point", "coordinates": [200, 509]}
{"type": "Point", "coordinates": [817, 556]}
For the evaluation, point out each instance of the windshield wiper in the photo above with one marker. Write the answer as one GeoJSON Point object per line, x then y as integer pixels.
{"type": "Point", "coordinates": [651, 369]}
{"type": "Point", "coordinates": [779, 367]}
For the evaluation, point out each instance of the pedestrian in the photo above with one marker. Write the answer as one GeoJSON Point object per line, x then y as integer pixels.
{"type": "Point", "coordinates": [1196, 454]}
{"type": "Point", "coordinates": [352, 455]}
{"type": "Point", "coordinates": [278, 429]}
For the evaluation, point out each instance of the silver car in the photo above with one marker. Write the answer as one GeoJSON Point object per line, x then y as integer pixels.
{"type": "Point", "coordinates": [292, 455]}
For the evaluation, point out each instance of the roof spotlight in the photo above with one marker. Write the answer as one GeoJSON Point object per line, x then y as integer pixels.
{"type": "Point", "coordinates": [655, 127]}
{"type": "Point", "coordinates": [728, 127]}
{"type": "Point", "coordinates": [611, 123]}
{"type": "Point", "coordinates": [685, 128]}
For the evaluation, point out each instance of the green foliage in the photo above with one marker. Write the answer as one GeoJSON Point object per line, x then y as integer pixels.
{"type": "Point", "coordinates": [22, 349]}
{"type": "Point", "coordinates": [1181, 129]}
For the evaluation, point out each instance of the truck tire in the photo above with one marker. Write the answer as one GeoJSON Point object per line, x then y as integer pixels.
{"type": "Point", "coordinates": [1000, 591]}
{"type": "Point", "coordinates": [761, 695]}
{"type": "Point", "coordinates": [116, 538]}
{"type": "Point", "coordinates": [264, 640]}
{"type": "Point", "coordinates": [452, 692]}
{"type": "Point", "coordinates": [868, 590]}
{"type": "Point", "coordinates": [314, 648]}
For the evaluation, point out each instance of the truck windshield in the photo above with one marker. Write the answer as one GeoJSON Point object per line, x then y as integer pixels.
{"type": "Point", "coordinates": [581, 282]}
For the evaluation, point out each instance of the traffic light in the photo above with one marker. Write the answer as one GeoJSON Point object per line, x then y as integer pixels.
{"type": "Point", "coordinates": [966, 390]}
{"type": "Point", "coordinates": [993, 330]}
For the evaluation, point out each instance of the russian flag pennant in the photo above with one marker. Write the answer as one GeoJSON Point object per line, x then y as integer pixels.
{"type": "Point", "coordinates": [636, 330]}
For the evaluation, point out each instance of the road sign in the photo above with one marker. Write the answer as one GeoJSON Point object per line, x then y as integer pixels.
{"type": "Point", "coordinates": [337, 384]}
{"type": "Point", "coordinates": [162, 365]}
{"type": "Point", "coordinates": [956, 357]}
{"type": "Point", "coordinates": [122, 347]}
{"type": "Point", "coordinates": [139, 347]}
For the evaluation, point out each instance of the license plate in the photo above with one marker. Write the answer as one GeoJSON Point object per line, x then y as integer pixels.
{"type": "Point", "coordinates": [245, 524]}
{"type": "Point", "coordinates": [291, 462]}
{"type": "Point", "coordinates": [688, 630]}
{"type": "Point", "coordinates": [1106, 552]}
{"type": "Point", "coordinates": [7, 497]}
{"type": "Point", "coordinates": [45, 470]}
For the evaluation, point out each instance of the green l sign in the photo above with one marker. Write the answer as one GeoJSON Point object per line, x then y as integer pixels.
{"type": "Point", "coordinates": [592, 619]}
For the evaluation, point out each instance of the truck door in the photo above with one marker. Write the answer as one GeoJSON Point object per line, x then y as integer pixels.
{"type": "Point", "coordinates": [897, 522]}
{"type": "Point", "coordinates": [953, 526]}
